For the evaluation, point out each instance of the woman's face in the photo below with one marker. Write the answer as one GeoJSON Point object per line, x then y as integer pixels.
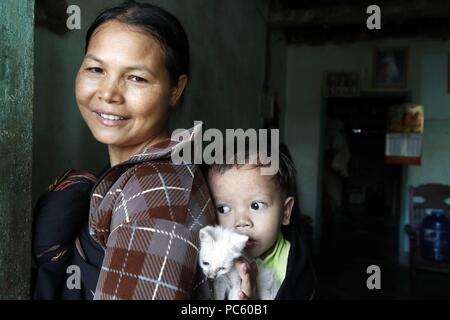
{"type": "Point", "coordinates": [123, 88]}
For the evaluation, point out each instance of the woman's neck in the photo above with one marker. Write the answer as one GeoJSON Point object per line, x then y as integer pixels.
{"type": "Point", "coordinates": [118, 154]}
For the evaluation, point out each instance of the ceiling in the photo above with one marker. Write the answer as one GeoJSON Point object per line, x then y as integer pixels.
{"type": "Point", "coordinates": [320, 21]}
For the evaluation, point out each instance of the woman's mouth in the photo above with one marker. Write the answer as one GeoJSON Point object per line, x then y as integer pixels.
{"type": "Point", "coordinates": [110, 120]}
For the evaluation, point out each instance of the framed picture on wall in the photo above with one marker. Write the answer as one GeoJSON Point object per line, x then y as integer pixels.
{"type": "Point", "coordinates": [341, 84]}
{"type": "Point", "coordinates": [390, 67]}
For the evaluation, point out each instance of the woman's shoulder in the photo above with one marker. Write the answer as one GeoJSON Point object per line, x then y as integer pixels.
{"type": "Point", "coordinates": [61, 211]}
{"type": "Point", "coordinates": [71, 178]}
{"type": "Point", "coordinates": [68, 195]}
{"type": "Point", "coordinates": [162, 184]}
{"type": "Point", "coordinates": [166, 172]}
{"type": "Point", "coordinates": [68, 192]}
{"type": "Point", "coordinates": [186, 178]}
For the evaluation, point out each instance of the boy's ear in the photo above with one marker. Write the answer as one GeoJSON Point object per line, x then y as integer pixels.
{"type": "Point", "coordinates": [287, 210]}
{"type": "Point", "coordinates": [178, 89]}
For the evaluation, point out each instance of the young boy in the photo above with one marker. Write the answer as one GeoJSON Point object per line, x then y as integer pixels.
{"type": "Point", "coordinates": [261, 206]}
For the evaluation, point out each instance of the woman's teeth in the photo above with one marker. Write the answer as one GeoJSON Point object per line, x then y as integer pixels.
{"type": "Point", "coordinates": [110, 117]}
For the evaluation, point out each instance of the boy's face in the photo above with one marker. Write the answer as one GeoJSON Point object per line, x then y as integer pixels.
{"type": "Point", "coordinates": [251, 204]}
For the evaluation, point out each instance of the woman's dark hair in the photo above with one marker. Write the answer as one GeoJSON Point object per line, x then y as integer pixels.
{"type": "Point", "coordinates": [159, 23]}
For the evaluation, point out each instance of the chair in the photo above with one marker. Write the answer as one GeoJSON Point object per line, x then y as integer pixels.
{"type": "Point", "coordinates": [421, 198]}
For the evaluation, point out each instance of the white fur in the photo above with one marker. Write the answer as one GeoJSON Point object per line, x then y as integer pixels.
{"type": "Point", "coordinates": [219, 247]}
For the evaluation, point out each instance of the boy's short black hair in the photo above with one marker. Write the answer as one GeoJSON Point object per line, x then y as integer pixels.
{"type": "Point", "coordinates": [284, 177]}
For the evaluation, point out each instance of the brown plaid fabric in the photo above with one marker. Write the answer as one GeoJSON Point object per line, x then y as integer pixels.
{"type": "Point", "coordinates": [146, 213]}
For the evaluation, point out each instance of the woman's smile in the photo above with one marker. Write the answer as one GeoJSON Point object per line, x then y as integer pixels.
{"type": "Point", "coordinates": [109, 119]}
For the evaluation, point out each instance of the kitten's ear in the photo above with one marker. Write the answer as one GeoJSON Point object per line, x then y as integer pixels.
{"type": "Point", "coordinates": [207, 234]}
{"type": "Point", "coordinates": [239, 240]}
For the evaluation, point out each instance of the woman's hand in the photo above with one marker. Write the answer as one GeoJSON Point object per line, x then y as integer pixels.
{"type": "Point", "coordinates": [248, 273]}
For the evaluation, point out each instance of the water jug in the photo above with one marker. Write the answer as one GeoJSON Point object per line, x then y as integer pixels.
{"type": "Point", "coordinates": [435, 237]}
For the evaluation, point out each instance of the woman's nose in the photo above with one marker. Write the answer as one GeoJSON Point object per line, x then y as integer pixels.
{"type": "Point", "coordinates": [109, 91]}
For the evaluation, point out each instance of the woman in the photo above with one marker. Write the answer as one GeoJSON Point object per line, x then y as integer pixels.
{"type": "Point", "coordinates": [139, 222]}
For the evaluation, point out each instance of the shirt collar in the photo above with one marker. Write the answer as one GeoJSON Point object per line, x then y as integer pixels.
{"type": "Point", "coordinates": [167, 147]}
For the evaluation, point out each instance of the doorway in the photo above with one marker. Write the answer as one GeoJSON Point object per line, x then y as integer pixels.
{"type": "Point", "coordinates": [360, 195]}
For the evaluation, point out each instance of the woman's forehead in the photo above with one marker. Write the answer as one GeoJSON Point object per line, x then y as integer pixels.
{"type": "Point", "coordinates": [117, 38]}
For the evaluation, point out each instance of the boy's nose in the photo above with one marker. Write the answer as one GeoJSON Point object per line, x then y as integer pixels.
{"type": "Point", "coordinates": [243, 223]}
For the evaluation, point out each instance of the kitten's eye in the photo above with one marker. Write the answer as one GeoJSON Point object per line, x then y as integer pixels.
{"type": "Point", "coordinates": [257, 205]}
{"type": "Point", "coordinates": [205, 263]}
{"type": "Point", "coordinates": [223, 209]}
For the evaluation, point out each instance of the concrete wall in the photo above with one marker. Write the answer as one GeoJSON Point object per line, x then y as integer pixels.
{"type": "Point", "coordinates": [277, 74]}
{"type": "Point", "coordinates": [227, 39]}
{"type": "Point", "coordinates": [427, 82]}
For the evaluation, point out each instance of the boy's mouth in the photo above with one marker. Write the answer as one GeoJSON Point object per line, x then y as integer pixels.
{"type": "Point", "coordinates": [251, 243]}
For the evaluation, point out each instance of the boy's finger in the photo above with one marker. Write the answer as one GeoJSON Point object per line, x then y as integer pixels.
{"type": "Point", "coordinates": [243, 296]}
{"type": "Point", "coordinates": [242, 266]}
{"type": "Point", "coordinates": [254, 268]}
{"type": "Point", "coordinates": [246, 282]}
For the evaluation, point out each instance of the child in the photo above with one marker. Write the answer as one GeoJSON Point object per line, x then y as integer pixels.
{"type": "Point", "coordinates": [261, 207]}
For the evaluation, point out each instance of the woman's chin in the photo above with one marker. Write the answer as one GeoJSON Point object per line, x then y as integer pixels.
{"type": "Point", "coordinates": [106, 138]}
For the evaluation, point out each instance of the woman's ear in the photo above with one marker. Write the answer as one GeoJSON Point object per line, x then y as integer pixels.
{"type": "Point", "coordinates": [178, 89]}
{"type": "Point", "coordinates": [287, 210]}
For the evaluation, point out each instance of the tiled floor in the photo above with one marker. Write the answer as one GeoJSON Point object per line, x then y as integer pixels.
{"type": "Point", "coordinates": [351, 245]}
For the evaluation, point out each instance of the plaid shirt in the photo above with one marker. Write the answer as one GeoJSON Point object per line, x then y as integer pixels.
{"type": "Point", "coordinates": [146, 213]}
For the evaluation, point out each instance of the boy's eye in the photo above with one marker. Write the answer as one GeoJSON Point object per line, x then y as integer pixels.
{"type": "Point", "coordinates": [257, 205]}
{"type": "Point", "coordinates": [223, 209]}
{"type": "Point", "coordinates": [137, 79]}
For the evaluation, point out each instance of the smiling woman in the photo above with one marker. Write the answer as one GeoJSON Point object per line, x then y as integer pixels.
{"type": "Point", "coordinates": [124, 91]}
{"type": "Point", "coordinates": [133, 229]}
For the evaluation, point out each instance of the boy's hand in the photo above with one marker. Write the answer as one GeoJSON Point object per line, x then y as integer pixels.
{"type": "Point", "coordinates": [247, 272]}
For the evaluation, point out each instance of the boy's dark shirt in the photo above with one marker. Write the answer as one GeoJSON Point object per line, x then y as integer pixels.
{"type": "Point", "coordinates": [300, 282]}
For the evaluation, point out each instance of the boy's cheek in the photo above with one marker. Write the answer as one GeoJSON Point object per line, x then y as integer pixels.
{"type": "Point", "coordinates": [226, 222]}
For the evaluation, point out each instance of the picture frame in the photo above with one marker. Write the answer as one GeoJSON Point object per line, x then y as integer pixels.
{"type": "Point", "coordinates": [341, 84]}
{"type": "Point", "coordinates": [390, 67]}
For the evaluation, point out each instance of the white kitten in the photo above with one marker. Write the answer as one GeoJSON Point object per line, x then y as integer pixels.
{"type": "Point", "coordinates": [219, 247]}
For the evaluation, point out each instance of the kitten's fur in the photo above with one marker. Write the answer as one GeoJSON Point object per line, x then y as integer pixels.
{"type": "Point", "coordinates": [219, 247]}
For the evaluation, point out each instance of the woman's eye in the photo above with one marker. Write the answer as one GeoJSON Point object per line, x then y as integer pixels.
{"type": "Point", "coordinates": [257, 205]}
{"type": "Point", "coordinates": [221, 268]}
{"type": "Point", "coordinates": [137, 79]}
{"type": "Point", "coordinates": [95, 70]}
{"type": "Point", "coordinates": [223, 209]}
{"type": "Point", "coordinates": [205, 263]}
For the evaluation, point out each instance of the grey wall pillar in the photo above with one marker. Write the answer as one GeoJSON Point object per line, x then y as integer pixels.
{"type": "Point", "coordinates": [16, 115]}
